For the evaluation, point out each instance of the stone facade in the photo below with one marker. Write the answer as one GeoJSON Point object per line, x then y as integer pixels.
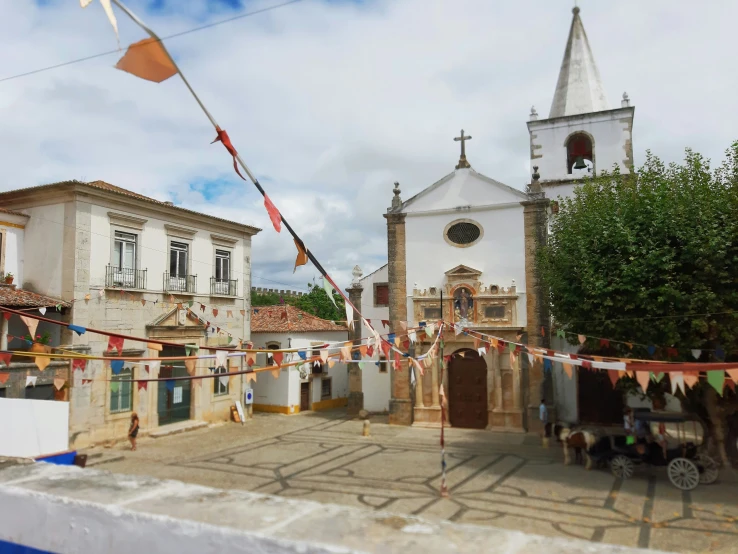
{"type": "Point", "coordinates": [356, 394]}
{"type": "Point", "coordinates": [401, 409]}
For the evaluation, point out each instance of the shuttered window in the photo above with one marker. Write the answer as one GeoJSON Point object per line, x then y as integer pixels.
{"type": "Point", "coordinates": [381, 294]}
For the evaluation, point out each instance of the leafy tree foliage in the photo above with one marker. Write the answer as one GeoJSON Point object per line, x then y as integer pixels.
{"type": "Point", "coordinates": [315, 302]}
{"type": "Point", "coordinates": [651, 258]}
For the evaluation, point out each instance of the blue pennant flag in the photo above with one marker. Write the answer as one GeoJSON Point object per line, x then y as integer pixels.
{"type": "Point", "coordinates": [391, 338]}
{"type": "Point", "coordinates": [547, 364]}
{"type": "Point", "coordinates": [116, 366]}
{"type": "Point", "coordinates": [77, 329]}
{"type": "Point", "coordinates": [651, 349]}
{"type": "Point", "coordinates": [170, 385]}
{"type": "Point", "coordinates": [720, 353]}
{"type": "Point", "coordinates": [422, 324]}
{"type": "Point", "coordinates": [302, 354]}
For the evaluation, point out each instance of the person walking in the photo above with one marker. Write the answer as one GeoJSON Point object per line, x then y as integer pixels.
{"type": "Point", "coordinates": [133, 431]}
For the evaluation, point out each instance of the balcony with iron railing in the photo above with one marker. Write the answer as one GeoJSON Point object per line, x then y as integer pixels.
{"type": "Point", "coordinates": [125, 278]}
{"type": "Point", "coordinates": [180, 283]}
{"type": "Point", "coordinates": [223, 287]}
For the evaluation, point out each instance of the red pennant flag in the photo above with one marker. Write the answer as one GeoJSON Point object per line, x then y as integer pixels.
{"type": "Point", "coordinates": [406, 344]}
{"type": "Point", "coordinates": [78, 364]}
{"type": "Point", "coordinates": [386, 348]}
{"type": "Point", "coordinates": [398, 367]}
{"type": "Point", "coordinates": [226, 140]}
{"type": "Point", "coordinates": [586, 364]}
{"type": "Point", "coordinates": [5, 358]}
{"type": "Point", "coordinates": [501, 345]}
{"type": "Point", "coordinates": [86, 381]}
{"type": "Point", "coordinates": [604, 343]}
{"type": "Point", "coordinates": [671, 352]}
{"type": "Point", "coordinates": [370, 350]}
{"type": "Point", "coordinates": [283, 315]}
{"type": "Point", "coordinates": [143, 385]}
{"type": "Point", "coordinates": [385, 323]}
{"type": "Point", "coordinates": [115, 344]}
{"type": "Point", "coordinates": [7, 315]}
{"type": "Point", "coordinates": [202, 308]}
{"type": "Point", "coordinates": [614, 375]}
{"type": "Point", "coordinates": [273, 212]}
{"type": "Point", "coordinates": [278, 357]}
{"type": "Point", "coordinates": [729, 383]}
{"type": "Point", "coordinates": [5, 376]}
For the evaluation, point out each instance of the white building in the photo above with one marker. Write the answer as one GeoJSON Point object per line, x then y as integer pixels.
{"type": "Point", "coordinates": [312, 386]}
{"type": "Point", "coordinates": [139, 267]}
{"type": "Point", "coordinates": [464, 248]}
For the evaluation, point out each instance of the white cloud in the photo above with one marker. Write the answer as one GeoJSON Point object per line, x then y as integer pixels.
{"type": "Point", "coordinates": [330, 103]}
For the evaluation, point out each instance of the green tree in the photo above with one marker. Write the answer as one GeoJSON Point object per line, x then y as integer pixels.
{"type": "Point", "coordinates": [635, 257]}
{"type": "Point", "coordinates": [315, 302]}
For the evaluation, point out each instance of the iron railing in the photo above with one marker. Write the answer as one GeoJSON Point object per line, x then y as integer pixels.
{"type": "Point", "coordinates": [125, 278]}
{"type": "Point", "coordinates": [180, 283]}
{"type": "Point", "coordinates": [226, 287]}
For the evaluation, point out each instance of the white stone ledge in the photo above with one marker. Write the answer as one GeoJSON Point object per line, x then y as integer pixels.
{"type": "Point", "coordinates": [68, 509]}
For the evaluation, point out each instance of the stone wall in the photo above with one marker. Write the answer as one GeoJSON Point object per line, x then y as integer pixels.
{"type": "Point", "coordinates": [68, 509]}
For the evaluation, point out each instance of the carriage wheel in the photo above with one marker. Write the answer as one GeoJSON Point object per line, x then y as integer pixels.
{"type": "Point", "coordinates": [622, 467]}
{"type": "Point", "coordinates": [710, 469]}
{"type": "Point", "coordinates": [683, 474]}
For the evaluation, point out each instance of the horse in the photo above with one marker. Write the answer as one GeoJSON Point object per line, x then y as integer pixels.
{"type": "Point", "coordinates": [579, 439]}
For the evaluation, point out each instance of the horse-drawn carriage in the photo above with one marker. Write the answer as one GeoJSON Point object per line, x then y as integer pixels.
{"type": "Point", "coordinates": [687, 464]}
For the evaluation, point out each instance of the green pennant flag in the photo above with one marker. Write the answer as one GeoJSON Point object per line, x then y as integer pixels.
{"type": "Point", "coordinates": [560, 333]}
{"type": "Point", "coordinates": [511, 346]}
{"type": "Point", "coordinates": [114, 385]}
{"type": "Point", "coordinates": [656, 377]}
{"type": "Point", "coordinates": [190, 348]}
{"type": "Point", "coordinates": [328, 288]}
{"type": "Point", "coordinates": [716, 378]}
{"type": "Point", "coordinates": [190, 303]}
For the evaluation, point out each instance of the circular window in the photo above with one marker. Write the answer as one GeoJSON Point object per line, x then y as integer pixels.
{"type": "Point", "coordinates": [463, 233]}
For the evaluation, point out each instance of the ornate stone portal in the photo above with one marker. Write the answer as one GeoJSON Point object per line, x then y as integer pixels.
{"type": "Point", "coordinates": [487, 308]}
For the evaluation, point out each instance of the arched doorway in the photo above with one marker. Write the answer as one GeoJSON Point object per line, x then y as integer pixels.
{"type": "Point", "coordinates": [467, 390]}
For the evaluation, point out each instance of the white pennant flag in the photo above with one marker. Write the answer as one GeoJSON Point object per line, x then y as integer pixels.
{"type": "Point", "coordinates": [349, 315]}
{"type": "Point", "coordinates": [223, 380]}
{"type": "Point", "coordinates": [531, 358]}
{"type": "Point", "coordinates": [482, 350]}
{"type": "Point", "coordinates": [31, 380]}
{"type": "Point", "coordinates": [430, 329]}
{"type": "Point", "coordinates": [154, 368]}
{"type": "Point", "coordinates": [221, 358]}
{"type": "Point", "coordinates": [696, 353]}
{"type": "Point", "coordinates": [324, 355]}
{"type": "Point", "coordinates": [42, 310]}
{"type": "Point", "coordinates": [412, 336]}
{"type": "Point", "coordinates": [458, 329]}
{"type": "Point", "coordinates": [328, 288]}
{"type": "Point", "coordinates": [677, 381]}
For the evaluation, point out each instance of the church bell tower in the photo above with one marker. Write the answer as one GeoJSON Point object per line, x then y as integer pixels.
{"type": "Point", "coordinates": [582, 135]}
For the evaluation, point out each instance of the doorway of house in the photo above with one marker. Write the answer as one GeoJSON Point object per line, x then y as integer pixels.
{"type": "Point", "coordinates": [173, 399]}
{"type": "Point", "coordinates": [467, 391]}
{"type": "Point", "coordinates": [304, 396]}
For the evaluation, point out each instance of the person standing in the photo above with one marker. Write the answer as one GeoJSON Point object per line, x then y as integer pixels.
{"type": "Point", "coordinates": [133, 430]}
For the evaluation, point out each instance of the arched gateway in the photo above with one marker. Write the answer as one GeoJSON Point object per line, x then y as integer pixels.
{"type": "Point", "coordinates": [467, 390]}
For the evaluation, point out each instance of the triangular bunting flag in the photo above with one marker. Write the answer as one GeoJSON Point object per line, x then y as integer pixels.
{"type": "Point", "coordinates": [116, 366]}
{"type": "Point", "coordinates": [349, 315]}
{"type": "Point", "coordinates": [4, 377]}
{"type": "Point", "coordinates": [79, 364]}
{"type": "Point", "coordinates": [733, 373]}
{"type": "Point", "coordinates": [614, 375]}
{"type": "Point", "coordinates": [31, 380]}
{"type": "Point", "coordinates": [153, 368]}
{"type": "Point", "coordinates": [250, 358]}
{"type": "Point", "coordinates": [397, 365]}
{"type": "Point", "coordinates": [696, 353]}
{"type": "Point", "coordinates": [331, 362]}
{"type": "Point", "coordinates": [221, 358]}
{"type": "Point", "coordinates": [114, 386]}
{"type": "Point", "coordinates": [41, 362]}
{"type": "Point", "coordinates": [643, 377]}
{"type": "Point", "coordinates": [115, 344]}
{"type": "Point", "coordinates": [363, 348]}
{"type": "Point", "coordinates": [278, 357]}
{"type": "Point", "coordinates": [59, 383]}
{"type": "Point", "coordinates": [190, 366]}
{"type": "Point", "coordinates": [328, 288]}
{"type": "Point", "coordinates": [324, 355]}
{"type": "Point", "coordinates": [716, 378]}
{"type": "Point", "coordinates": [250, 377]}
{"type": "Point", "coordinates": [346, 352]}
{"type": "Point", "coordinates": [31, 323]}
{"type": "Point", "coordinates": [154, 346]}
{"type": "Point", "coordinates": [42, 310]}
{"type": "Point", "coordinates": [302, 257]}
{"type": "Point", "coordinates": [567, 370]}
{"type": "Point", "coordinates": [273, 212]}
{"type": "Point", "coordinates": [143, 385]}
{"type": "Point", "coordinates": [691, 378]}
{"type": "Point", "coordinates": [5, 357]}
{"type": "Point", "coordinates": [677, 381]}
{"type": "Point", "coordinates": [224, 380]}
{"type": "Point", "coordinates": [276, 373]}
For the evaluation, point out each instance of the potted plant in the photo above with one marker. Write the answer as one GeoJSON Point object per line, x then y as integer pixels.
{"type": "Point", "coordinates": [9, 278]}
{"type": "Point", "coordinates": [39, 343]}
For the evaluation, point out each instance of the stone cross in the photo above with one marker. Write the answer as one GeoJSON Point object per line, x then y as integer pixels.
{"type": "Point", "coordinates": [462, 160]}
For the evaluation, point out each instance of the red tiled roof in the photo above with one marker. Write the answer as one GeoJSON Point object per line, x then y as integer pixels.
{"type": "Point", "coordinates": [288, 319]}
{"type": "Point", "coordinates": [102, 185]}
{"type": "Point", "coordinates": [17, 298]}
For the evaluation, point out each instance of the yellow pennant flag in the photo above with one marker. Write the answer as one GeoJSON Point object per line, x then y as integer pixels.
{"type": "Point", "coordinates": [42, 362]}
{"type": "Point", "coordinates": [302, 257]}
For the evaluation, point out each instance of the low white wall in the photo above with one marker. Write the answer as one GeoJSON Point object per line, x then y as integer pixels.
{"type": "Point", "coordinates": [376, 387]}
{"type": "Point", "coordinates": [84, 510]}
{"type": "Point", "coordinates": [33, 428]}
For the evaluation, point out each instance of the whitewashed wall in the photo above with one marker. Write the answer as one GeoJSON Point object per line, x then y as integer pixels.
{"type": "Point", "coordinates": [13, 248]}
{"type": "Point", "coordinates": [368, 310]}
{"type": "Point", "coordinates": [43, 253]}
{"type": "Point", "coordinates": [376, 387]}
{"type": "Point", "coordinates": [33, 427]}
{"type": "Point", "coordinates": [565, 387]}
{"type": "Point", "coordinates": [549, 137]}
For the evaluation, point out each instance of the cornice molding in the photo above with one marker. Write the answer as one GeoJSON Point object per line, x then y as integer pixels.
{"type": "Point", "coordinates": [125, 220]}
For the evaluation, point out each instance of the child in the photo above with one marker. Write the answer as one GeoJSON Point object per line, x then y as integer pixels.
{"type": "Point", "coordinates": [133, 431]}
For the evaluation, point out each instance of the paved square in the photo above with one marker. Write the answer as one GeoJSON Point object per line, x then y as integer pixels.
{"type": "Point", "coordinates": [505, 480]}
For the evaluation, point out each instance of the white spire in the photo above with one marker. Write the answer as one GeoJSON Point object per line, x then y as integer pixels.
{"type": "Point", "coordinates": [579, 89]}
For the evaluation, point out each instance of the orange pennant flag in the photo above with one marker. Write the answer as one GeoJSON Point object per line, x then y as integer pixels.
{"type": "Point", "coordinates": [59, 383]}
{"type": "Point", "coordinates": [733, 373]}
{"type": "Point", "coordinates": [302, 257]}
{"type": "Point", "coordinates": [567, 370]}
{"type": "Point", "coordinates": [148, 60]}
{"type": "Point", "coordinates": [4, 377]}
{"type": "Point", "coordinates": [691, 379]}
{"type": "Point", "coordinates": [190, 365]}
{"type": "Point", "coordinates": [643, 377]}
{"type": "Point", "coordinates": [363, 350]}
{"type": "Point", "coordinates": [42, 362]}
{"type": "Point", "coordinates": [154, 346]}
{"type": "Point", "coordinates": [275, 373]}
{"type": "Point", "coordinates": [250, 377]}
{"type": "Point", "coordinates": [331, 362]}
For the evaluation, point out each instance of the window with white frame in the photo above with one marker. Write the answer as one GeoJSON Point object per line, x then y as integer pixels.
{"type": "Point", "coordinates": [222, 265]}
{"type": "Point", "coordinates": [124, 250]}
{"type": "Point", "coordinates": [121, 399]}
{"type": "Point", "coordinates": [219, 388]}
{"type": "Point", "coordinates": [178, 252]}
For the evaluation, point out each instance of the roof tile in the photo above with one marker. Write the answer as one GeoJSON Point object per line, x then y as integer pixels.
{"type": "Point", "coordinates": [286, 318]}
{"type": "Point", "coordinates": [16, 298]}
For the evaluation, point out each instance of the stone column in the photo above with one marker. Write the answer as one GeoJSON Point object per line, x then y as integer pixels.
{"type": "Point", "coordinates": [356, 392]}
{"type": "Point", "coordinates": [535, 216]}
{"type": "Point", "coordinates": [400, 408]}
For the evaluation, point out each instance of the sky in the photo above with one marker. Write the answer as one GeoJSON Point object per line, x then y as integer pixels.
{"type": "Point", "coordinates": [330, 102]}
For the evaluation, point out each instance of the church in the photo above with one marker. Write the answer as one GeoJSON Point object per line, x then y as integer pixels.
{"type": "Point", "coordinates": [483, 235]}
